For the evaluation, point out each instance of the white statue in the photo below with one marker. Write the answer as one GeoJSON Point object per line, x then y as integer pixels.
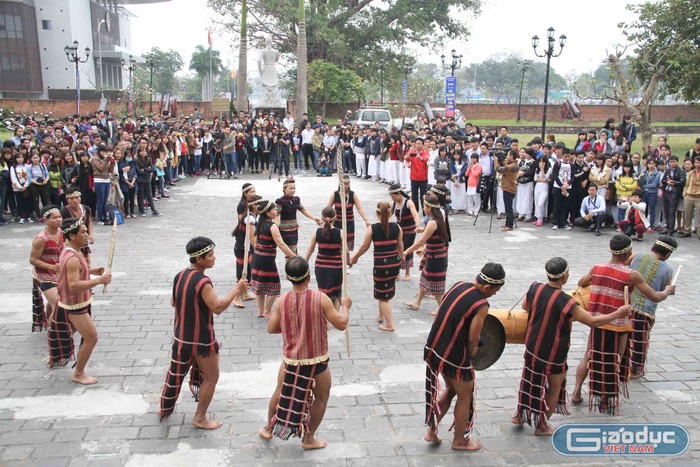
{"type": "Point", "coordinates": [267, 66]}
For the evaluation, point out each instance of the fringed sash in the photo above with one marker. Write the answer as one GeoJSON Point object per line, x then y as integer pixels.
{"type": "Point", "coordinates": [608, 375]}
{"type": "Point", "coordinates": [534, 384]}
{"type": "Point", "coordinates": [38, 313]}
{"type": "Point", "coordinates": [296, 398]}
{"type": "Point", "coordinates": [639, 342]}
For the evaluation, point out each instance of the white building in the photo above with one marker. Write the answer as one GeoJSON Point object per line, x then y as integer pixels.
{"type": "Point", "coordinates": [34, 33]}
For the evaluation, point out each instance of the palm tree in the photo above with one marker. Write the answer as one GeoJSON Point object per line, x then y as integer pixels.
{"type": "Point", "coordinates": [199, 63]}
{"type": "Point", "coordinates": [302, 65]}
{"type": "Point", "coordinates": [242, 100]}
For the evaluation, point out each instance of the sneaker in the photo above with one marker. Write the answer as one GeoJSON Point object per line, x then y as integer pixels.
{"type": "Point", "coordinates": [4, 222]}
{"type": "Point", "coordinates": [567, 227]}
{"type": "Point", "coordinates": [597, 233]}
{"type": "Point", "coordinates": [143, 214]}
{"type": "Point", "coordinates": [538, 224]}
{"type": "Point", "coordinates": [30, 220]}
{"type": "Point", "coordinates": [649, 230]}
{"type": "Point", "coordinates": [22, 221]}
{"type": "Point", "coordinates": [156, 214]}
{"type": "Point", "coordinates": [555, 227]}
{"type": "Point", "coordinates": [165, 196]}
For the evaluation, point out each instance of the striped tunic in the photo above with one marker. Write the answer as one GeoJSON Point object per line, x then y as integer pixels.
{"type": "Point", "coordinates": [387, 262]}
{"type": "Point", "coordinates": [304, 328]}
{"type": "Point", "coordinates": [287, 206]}
{"type": "Point", "coordinates": [434, 265]}
{"type": "Point", "coordinates": [408, 226]}
{"type": "Point", "coordinates": [50, 255]}
{"type": "Point", "coordinates": [349, 213]}
{"type": "Point", "coordinates": [329, 263]}
{"type": "Point", "coordinates": [657, 274]}
{"type": "Point", "coordinates": [69, 299]}
{"type": "Point", "coordinates": [607, 293]}
{"type": "Point", "coordinates": [265, 279]}
{"type": "Point", "coordinates": [194, 322]}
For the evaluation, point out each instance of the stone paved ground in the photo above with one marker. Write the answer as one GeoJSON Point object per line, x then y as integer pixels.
{"type": "Point", "coordinates": [375, 413]}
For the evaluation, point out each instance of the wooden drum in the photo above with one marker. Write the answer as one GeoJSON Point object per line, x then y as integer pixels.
{"type": "Point", "coordinates": [582, 295]}
{"type": "Point", "coordinates": [514, 324]}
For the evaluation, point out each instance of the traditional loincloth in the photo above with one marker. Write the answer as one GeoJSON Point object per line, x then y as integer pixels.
{"type": "Point", "coordinates": [534, 384]}
{"type": "Point", "coordinates": [296, 398]}
{"type": "Point", "coordinates": [183, 360]}
{"type": "Point", "coordinates": [608, 375]}
{"type": "Point", "coordinates": [60, 336]}
{"type": "Point", "coordinates": [639, 342]}
{"type": "Point", "coordinates": [38, 312]}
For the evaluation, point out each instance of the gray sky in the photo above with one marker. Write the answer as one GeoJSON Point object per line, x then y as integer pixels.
{"type": "Point", "coordinates": [504, 26]}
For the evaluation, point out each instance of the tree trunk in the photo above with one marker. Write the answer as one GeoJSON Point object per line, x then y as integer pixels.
{"type": "Point", "coordinates": [302, 66]}
{"type": "Point", "coordinates": [242, 100]}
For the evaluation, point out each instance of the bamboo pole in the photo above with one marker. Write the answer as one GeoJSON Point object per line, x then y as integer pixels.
{"type": "Point", "coordinates": [112, 247]}
{"type": "Point", "coordinates": [675, 276]}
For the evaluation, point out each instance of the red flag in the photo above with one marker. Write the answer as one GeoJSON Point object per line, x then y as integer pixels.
{"type": "Point", "coordinates": [209, 37]}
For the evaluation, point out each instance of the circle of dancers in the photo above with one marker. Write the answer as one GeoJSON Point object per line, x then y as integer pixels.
{"type": "Point", "coordinates": [617, 299]}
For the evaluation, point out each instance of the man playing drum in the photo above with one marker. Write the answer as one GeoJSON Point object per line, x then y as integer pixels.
{"type": "Point", "coordinates": [550, 312]}
{"type": "Point", "coordinates": [453, 340]}
{"type": "Point", "coordinates": [608, 351]}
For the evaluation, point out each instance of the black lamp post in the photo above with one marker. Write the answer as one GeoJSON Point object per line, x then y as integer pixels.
{"type": "Point", "coordinates": [523, 67]}
{"type": "Point", "coordinates": [130, 66]}
{"type": "Point", "coordinates": [150, 63]}
{"type": "Point", "coordinates": [549, 53]}
{"type": "Point", "coordinates": [381, 82]}
{"type": "Point", "coordinates": [456, 62]}
{"type": "Point", "coordinates": [73, 56]}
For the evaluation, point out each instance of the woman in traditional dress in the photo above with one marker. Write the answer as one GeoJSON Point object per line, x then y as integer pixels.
{"type": "Point", "coordinates": [352, 201]}
{"type": "Point", "coordinates": [388, 248]}
{"type": "Point", "coordinates": [288, 205]}
{"type": "Point", "coordinates": [434, 263]}
{"type": "Point", "coordinates": [265, 280]}
{"type": "Point", "coordinates": [248, 194]}
{"type": "Point", "coordinates": [329, 261]}
{"type": "Point", "coordinates": [248, 234]}
{"type": "Point", "coordinates": [408, 219]}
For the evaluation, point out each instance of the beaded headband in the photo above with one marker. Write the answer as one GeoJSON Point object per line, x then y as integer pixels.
{"type": "Point", "coordinates": [248, 188]}
{"type": "Point", "coordinates": [435, 189]}
{"type": "Point", "coordinates": [491, 281]}
{"type": "Point", "coordinates": [396, 190]}
{"type": "Point", "coordinates": [557, 276]}
{"type": "Point", "coordinates": [255, 202]}
{"type": "Point", "coordinates": [48, 213]}
{"type": "Point", "coordinates": [267, 207]}
{"type": "Point", "coordinates": [665, 245]}
{"type": "Point", "coordinates": [431, 205]}
{"type": "Point", "coordinates": [297, 279]}
{"type": "Point", "coordinates": [75, 194]}
{"type": "Point", "coordinates": [203, 251]}
{"type": "Point", "coordinates": [73, 227]}
{"type": "Point", "coordinates": [622, 251]}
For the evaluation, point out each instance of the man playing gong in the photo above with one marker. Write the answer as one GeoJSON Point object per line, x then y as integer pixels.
{"type": "Point", "coordinates": [452, 342]}
{"type": "Point", "coordinates": [550, 312]}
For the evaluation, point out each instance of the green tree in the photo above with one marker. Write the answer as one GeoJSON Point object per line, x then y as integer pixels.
{"type": "Point", "coordinates": [666, 35]}
{"type": "Point", "coordinates": [200, 64]}
{"type": "Point", "coordinates": [499, 76]}
{"type": "Point", "coordinates": [330, 84]}
{"type": "Point", "coordinates": [166, 64]}
{"type": "Point", "coordinates": [350, 33]}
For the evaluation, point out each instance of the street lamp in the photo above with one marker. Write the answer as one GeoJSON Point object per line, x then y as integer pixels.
{"type": "Point", "coordinates": [150, 63]}
{"type": "Point", "coordinates": [381, 82]}
{"type": "Point", "coordinates": [131, 66]}
{"type": "Point", "coordinates": [523, 67]}
{"type": "Point", "coordinates": [73, 56]}
{"type": "Point", "coordinates": [456, 62]}
{"type": "Point", "coordinates": [407, 68]}
{"type": "Point", "coordinates": [549, 53]}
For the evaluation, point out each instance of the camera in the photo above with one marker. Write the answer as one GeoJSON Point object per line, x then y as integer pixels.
{"type": "Point", "coordinates": [499, 154]}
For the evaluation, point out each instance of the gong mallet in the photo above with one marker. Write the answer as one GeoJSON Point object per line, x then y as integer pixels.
{"type": "Point", "coordinates": [344, 224]}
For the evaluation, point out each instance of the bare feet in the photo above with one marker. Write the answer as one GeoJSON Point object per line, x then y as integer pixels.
{"type": "Point", "coordinates": [245, 298]}
{"type": "Point", "coordinates": [634, 375]}
{"type": "Point", "coordinates": [315, 443]}
{"type": "Point", "coordinates": [576, 399]}
{"type": "Point", "coordinates": [384, 327]}
{"type": "Point", "coordinates": [433, 313]}
{"type": "Point", "coordinates": [265, 433]}
{"type": "Point", "coordinates": [206, 424]}
{"type": "Point", "coordinates": [261, 315]}
{"type": "Point", "coordinates": [83, 379]}
{"type": "Point", "coordinates": [431, 437]}
{"type": "Point", "coordinates": [546, 432]}
{"type": "Point", "coordinates": [380, 319]}
{"type": "Point", "coordinates": [517, 420]}
{"type": "Point", "coordinates": [267, 314]}
{"type": "Point", "coordinates": [466, 445]}
{"type": "Point", "coordinates": [412, 305]}
{"type": "Point", "coordinates": [405, 278]}
{"type": "Point", "coordinates": [238, 304]}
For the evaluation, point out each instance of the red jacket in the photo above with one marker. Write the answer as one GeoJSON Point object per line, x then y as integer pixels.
{"type": "Point", "coordinates": [418, 164]}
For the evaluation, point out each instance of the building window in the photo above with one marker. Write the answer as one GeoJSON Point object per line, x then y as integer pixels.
{"type": "Point", "coordinates": [11, 27]}
{"type": "Point", "coordinates": [46, 24]}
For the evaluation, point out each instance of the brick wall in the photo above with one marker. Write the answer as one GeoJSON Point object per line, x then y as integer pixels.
{"type": "Point", "coordinates": [590, 113]}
